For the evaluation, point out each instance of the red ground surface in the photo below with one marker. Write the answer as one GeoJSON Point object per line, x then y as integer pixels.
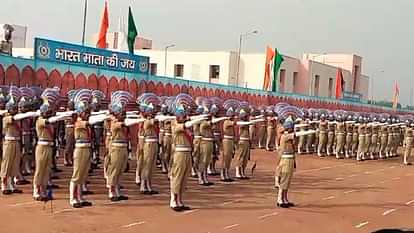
{"type": "Point", "coordinates": [332, 195]}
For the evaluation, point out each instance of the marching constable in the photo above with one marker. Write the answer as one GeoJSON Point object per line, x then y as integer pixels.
{"type": "Point", "coordinates": [82, 151]}
{"type": "Point", "coordinates": [408, 142]}
{"type": "Point", "coordinates": [348, 140]}
{"type": "Point", "coordinates": [374, 141]}
{"type": "Point", "coordinates": [302, 138]}
{"type": "Point", "coordinates": [355, 139]}
{"type": "Point", "coordinates": [26, 143]}
{"type": "Point", "coordinates": [44, 150]}
{"type": "Point", "coordinates": [368, 139]}
{"type": "Point", "coordinates": [340, 137]}
{"type": "Point", "coordinates": [118, 154]}
{"type": "Point", "coordinates": [243, 148]}
{"type": "Point", "coordinates": [323, 137]}
{"type": "Point", "coordinates": [11, 149]}
{"type": "Point", "coordinates": [383, 139]}
{"type": "Point", "coordinates": [181, 161]}
{"type": "Point", "coordinates": [228, 145]}
{"type": "Point", "coordinates": [261, 131]}
{"type": "Point", "coordinates": [361, 139]}
{"type": "Point", "coordinates": [271, 130]}
{"type": "Point", "coordinates": [206, 149]}
{"type": "Point", "coordinates": [390, 141]}
{"type": "Point", "coordinates": [252, 129]}
{"type": "Point", "coordinates": [69, 136]}
{"type": "Point", "coordinates": [167, 140]}
{"type": "Point", "coordinates": [216, 127]}
{"type": "Point", "coordinates": [287, 163]}
{"type": "Point", "coordinates": [331, 136]}
{"type": "Point", "coordinates": [196, 144]}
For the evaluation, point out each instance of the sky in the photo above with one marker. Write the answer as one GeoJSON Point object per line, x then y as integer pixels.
{"type": "Point", "coordinates": [380, 31]}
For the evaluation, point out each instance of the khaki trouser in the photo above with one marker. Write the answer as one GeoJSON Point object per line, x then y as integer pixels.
{"type": "Point", "coordinates": [355, 139]}
{"type": "Point", "coordinates": [367, 143]}
{"type": "Point", "coordinates": [261, 135]}
{"type": "Point", "coordinates": [383, 144]}
{"type": "Point", "coordinates": [10, 164]}
{"type": "Point", "coordinates": [323, 137]}
{"type": "Point", "coordinates": [228, 152]}
{"type": "Point", "coordinates": [374, 144]}
{"type": "Point", "coordinates": [139, 156]}
{"type": "Point", "coordinates": [340, 143]}
{"type": "Point", "coordinates": [206, 152]}
{"type": "Point", "coordinates": [330, 141]}
{"type": "Point", "coordinates": [180, 170]}
{"type": "Point", "coordinates": [148, 160]}
{"type": "Point", "coordinates": [81, 164]}
{"type": "Point", "coordinates": [167, 150]}
{"type": "Point", "coordinates": [271, 138]}
{"type": "Point", "coordinates": [243, 153]}
{"type": "Point", "coordinates": [284, 172]}
{"type": "Point", "coordinates": [117, 162]}
{"type": "Point", "coordinates": [348, 143]}
{"type": "Point", "coordinates": [196, 152]}
{"type": "Point", "coordinates": [361, 146]}
{"type": "Point", "coordinates": [408, 146]}
{"type": "Point", "coordinates": [301, 143]}
{"type": "Point", "coordinates": [44, 164]}
{"type": "Point", "coordinates": [310, 142]}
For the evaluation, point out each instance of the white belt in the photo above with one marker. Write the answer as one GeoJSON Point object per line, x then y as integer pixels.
{"type": "Point", "coordinates": [117, 144]}
{"type": "Point", "coordinates": [8, 138]}
{"type": "Point", "coordinates": [141, 137]}
{"type": "Point", "coordinates": [162, 130]}
{"type": "Point", "coordinates": [45, 143]}
{"type": "Point", "coordinates": [375, 135]}
{"type": "Point", "coordinates": [69, 126]}
{"type": "Point", "coordinates": [207, 139]}
{"type": "Point", "coordinates": [79, 144]}
{"type": "Point", "coordinates": [108, 134]}
{"type": "Point", "coordinates": [228, 137]}
{"type": "Point", "coordinates": [183, 149]}
{"type": "Point", "coordinates": [340, 133]}
{"type": "Point", "coordinates": [197, 137]}
{"type": "Point", "coordinates": [167, 134]}
{"type": "Point", "coordinates": [362, 135]}
{"type": "Point", "coordinates": [244, 139]}
{"type": "Point", "coordinates": [151, 140]}
{"type": "Point", "coordinates": [216, 134]}
{"type": "Point", "coordinates": [288, 156]}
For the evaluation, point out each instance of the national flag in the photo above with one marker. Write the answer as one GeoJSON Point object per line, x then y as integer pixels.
{"type": "Point", "coordinates": [339, 84]}
{"type": "Point", "coordinates": [278, 59]}
{"type": "Point", "coordinates": [132, 32]}
{"type": "Point", "coordinates": [270, 53]}
{"type": "Point", "coordinates": [396, 96]}
{"type": "Point", "coordinates": [104, 29]}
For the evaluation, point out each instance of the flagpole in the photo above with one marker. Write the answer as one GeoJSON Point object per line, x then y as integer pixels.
{"type": "Point", "coordinates": [239, 52]}
{"type": "Point", "coordinates": [85, 9]}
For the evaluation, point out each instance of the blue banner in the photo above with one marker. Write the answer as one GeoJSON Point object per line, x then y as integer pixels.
{"type": "Point", "coordinates": [72, 54]}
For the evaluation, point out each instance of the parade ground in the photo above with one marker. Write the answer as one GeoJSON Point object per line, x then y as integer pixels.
{"type": "Point", "coordinates": [331, 195]}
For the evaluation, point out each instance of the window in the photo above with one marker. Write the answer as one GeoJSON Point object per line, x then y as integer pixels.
{"type": "Point", "coordinates": [153, 68]}
{"type": "Point", "coordinates": [178, 70]}
{"type": "Point", "coordinates": [295, 82]}
{"type": "Point", "coordinates": [330, 87]}
{"type": "Point", "coordinates": [214, 72]}
{"type": "Point", "coordinates": [282, 80]}
{"type": "Point", "coordinates": [316, 86]}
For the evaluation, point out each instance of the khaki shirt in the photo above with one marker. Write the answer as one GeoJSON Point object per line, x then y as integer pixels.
{"type": "Point", "coordinates": [287, 145]}
{"type": "Point", "coordinates": [82, 131]}
{"type": "Point", "coordinates": [11, 127]}
{"type": "Point", "coordinates": [44, 130]}
{"type": "Point", "coordinates": [179, 135]}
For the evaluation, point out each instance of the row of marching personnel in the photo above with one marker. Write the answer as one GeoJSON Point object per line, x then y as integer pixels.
{"type": "Point", "coordinates": [183, 136]}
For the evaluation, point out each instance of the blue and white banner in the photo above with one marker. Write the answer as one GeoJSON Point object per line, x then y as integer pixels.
{"type": "Point", "coordinates": [72, 54]}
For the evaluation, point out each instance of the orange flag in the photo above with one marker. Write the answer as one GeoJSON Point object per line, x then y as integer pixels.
{"type": "Point", "coordinates": [396, 96]}
{"type": "Point", "coordinates": [339, 84]}
{"type": "Point", "coordinates": [104, 29]}
{"type": "Point", "coordinates": [270, 53]}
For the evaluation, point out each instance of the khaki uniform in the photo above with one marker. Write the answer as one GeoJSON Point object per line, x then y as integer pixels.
{"type": "Point", "coordinates": [340, 139]}
{"type": "Point", "coordinates": [139, 153]}
{"type": "Point", "coordinates": [44, 154]}
{"type": "Point", "coordinates": [196, 146]}
{"type": "Point", "coordinates": [69, 140]}
{"type": "Point", "coordinates": [383, 141]}
{"type": "Point", "coordinates": [118, 154]}
{"type": "Point", "coordinates": [228, 143]}
{"type": "Point", "coordinates": [323, 137]}
{"type": "Point", "coordinates": [27, 143]}
{"type": "Point", "coordinates": [355, 140]}
{"type": "Point", "coordinates": [302, 140]}
{"type": "Point", "coordinates": [396, 141]}
{"type": "Point", "coordinates": [150, 152]}
{"type": "Point", "coordinates": [348, 140]}
{"type": "Point", "coordinates": [82, 152]}
{"type": "Point", "coordinates": [368, 135]}
{"type": "Point", "coordinates": [166, 146]}
{"type": "Point", "coordinates": [390, 141]}
{"type": "Point", "coordinates": [243, 148]}
{"type": "Point", "coordinates": [331, 139]}
{"type": "Point", "coordinates": [408, 143]}
{"type": "Point", "coordinates": [261, 134]}
{"type": "Point", "coordinates": [361, 142]}
{"type": "Point", "coordinates": [374, 141]}
{"type": "Point", "coordinates": [181, 164]}
{"type": "Point", "coordinates": [206, 145]}
{"type": "Point", "coordinates": [285, 169]}
{"type": "Point", "coordinates": [10, 164]}
{"type": "Point", "coordinates": [271, 133]}
{"type": "Point", "coordinates": [310, 141]}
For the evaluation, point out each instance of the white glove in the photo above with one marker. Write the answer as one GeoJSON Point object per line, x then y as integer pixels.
{"type": "Point", "coordinates": [97, 118]}
{"type": "Point", "coordinates": [198, 116]}
{"type": "Point", "coordinates": [244, 123]}
{"type": "Point", "coordinates": [190, 123]}
{"type": "Point", "coordinates": [21, 116]}
{"type": "Point", "coordinates": [215, 120]}
{"type": "Point", "coordinates": [67, 113]}
{"type": "Point", "coordinates": [164, 118]}
{"type": "Point", "coordinates": [257, 120]}
{"type": "Point", "coordinates": [100, 112]}
{"type": "Point", "coordinates": [54, 119]}
{"type": "Point", "coordinates": [131, 121]}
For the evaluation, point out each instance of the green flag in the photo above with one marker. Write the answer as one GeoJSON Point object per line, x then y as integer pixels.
{"type": "Point", "coordinates": [132, 32]}
{"type": "Point", "coordinates": [277, 62]}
